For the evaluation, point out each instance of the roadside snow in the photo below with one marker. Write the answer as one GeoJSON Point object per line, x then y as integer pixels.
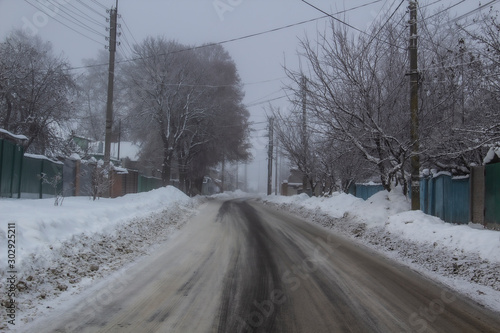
{"type": "Point", "coordinates": [464, 257]}
{"type": "Point", "coordinates": [64, 249]}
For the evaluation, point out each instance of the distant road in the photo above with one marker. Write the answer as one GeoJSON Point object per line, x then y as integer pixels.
{"type": "Point", "coordinates": [242, 267]}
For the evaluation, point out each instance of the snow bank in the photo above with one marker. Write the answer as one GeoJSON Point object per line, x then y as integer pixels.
{"type": "Point", "coordinates": [460, 239]}
{"type": "Point", "coordinates": [39, 224]}
{"type": "Point", "coordinates": [464, 257]}
{"type": "Point", "coordinates": [390, 211]}
{"type": "Point", "coordinates": [374, 211]}
{"type": "Point", "coordinates": [62, 250]}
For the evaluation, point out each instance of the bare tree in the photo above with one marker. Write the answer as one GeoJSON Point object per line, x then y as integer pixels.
{"type": "Point", "coordinates": [354, 94]}
{"type": "Point", "coordinates": [36, 92]}
{"type": "Point", "coordinates": [459, 111]}
{"type": "Point", "coordinates": [186, 104]}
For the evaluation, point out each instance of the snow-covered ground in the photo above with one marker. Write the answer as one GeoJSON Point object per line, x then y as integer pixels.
{"type": "Point", "coordinates": [464, 257]}
{"type": "Point", "coordinates": [62, 250]}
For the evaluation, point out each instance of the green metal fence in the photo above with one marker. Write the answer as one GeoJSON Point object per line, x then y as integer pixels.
{"type": "Point", "coordinates": [146, 184]}
{"type": "Point", "coordinates": [11, 161]}
{"type": "Point", "coordinates": [492, 194]}
{"type": "Point", "coordinates": [41, 177]}
{"type": "Point", "coordinates": [446, 197]}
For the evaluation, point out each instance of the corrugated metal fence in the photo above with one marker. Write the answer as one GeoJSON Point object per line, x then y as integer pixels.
{"type": "Point", "coordinates": [364, 191]}
{"type": "Point", "coordinates": [446, 197]}
{"type": "Point", "coordinates": [456, 200]}
{"type": "Point", "coordinates": [22, 176]}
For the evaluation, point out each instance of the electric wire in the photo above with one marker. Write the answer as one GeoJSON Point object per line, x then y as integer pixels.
{"type": "Point", "coordinates": [349, 25]}
{"type": "Point", "coordinates": [125, 39]}
{"type": "Point", "coordinates": [91, 9]}
{"type": "Point", "coordinates": [442, 11]}
{"type": "Point", "coordinates": [386, 22]}
{"type": "Point", "coordinates": [128, 29]}
{"type": "Point", "coordinates": [77, 11]}
{"type": "Point", "coordinates": [64, 14]}
{"type": "Point", "coordinates": [480, 8]}
{"type": "Point", "coordinates": [234, 39]}
{"type": "Point", "coordinates": [99, 4]}
{"type": "Point", "coordinates": [64, 24]}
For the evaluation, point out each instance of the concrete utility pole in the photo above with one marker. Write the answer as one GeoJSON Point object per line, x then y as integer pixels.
{"type": "Point", "coordinates": [270, 157]}
{"type": "Point", "coordinates": [414, 78]}
{"type": "Point", "coordinates": [111, 76]}
{"type": "Point", "coordinates": [304, 131]}
{"type": "Point", "coordinates": [276, 169]}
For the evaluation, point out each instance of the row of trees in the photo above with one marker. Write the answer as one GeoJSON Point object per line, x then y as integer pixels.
{"type": "Point", "coordinates": [351, 119]}
{"type": "Point", "coordinates": [182, 105]}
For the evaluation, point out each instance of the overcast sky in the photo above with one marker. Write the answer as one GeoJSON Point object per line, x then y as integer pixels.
{"type": "Point", "coordinates": [259, 59]}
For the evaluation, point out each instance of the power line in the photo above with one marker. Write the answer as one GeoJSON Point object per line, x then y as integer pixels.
{"type": "Point", "coordinates": [85, 15]}
{"type": "Point", "coordinates": [430, 4]}
{"type": "Point", "coordinates": [99, 4]}
{"type": "Point", "coordinates": [386, 22]}
{"type": "Point", "coordinates": [67, 26]}
{"type": "Point", "coordinates": [442, 11]}
{"type": "Point", "coordinates": [234, 39]}
{"type": "Point", "coordinates": [72, 19]}
{"type": "Point", "coordinates": [474, 10]}
{"type": "Point", "coordinates": [349, 25]}
{"type": "Point", "coordinates": [92, 9]}
{"type": "Point", "coordinates": [264, 102]}
{"type": "Point", "coordinates": [130, 32]}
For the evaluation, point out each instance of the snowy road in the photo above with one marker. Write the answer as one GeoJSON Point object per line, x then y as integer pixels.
{"type": "Point", "coordinates": [239, 266]}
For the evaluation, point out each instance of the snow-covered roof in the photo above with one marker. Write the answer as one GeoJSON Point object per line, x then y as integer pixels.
{"type": "Point", "coordinates": [14, 136]}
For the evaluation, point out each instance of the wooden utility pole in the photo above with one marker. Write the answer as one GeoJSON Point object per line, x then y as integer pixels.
{"type": "Point", "coordinates": [111, 76]}
{"type": "Point", "coordinates": [414, 133]}
{"type": "Point", "coordinates": [270, 157]}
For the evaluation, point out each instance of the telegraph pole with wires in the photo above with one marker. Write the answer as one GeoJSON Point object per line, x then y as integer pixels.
{"type": "Point", "coordinates": [113, 13]}
{"type": "Point", "coordinates": [414, 85]}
